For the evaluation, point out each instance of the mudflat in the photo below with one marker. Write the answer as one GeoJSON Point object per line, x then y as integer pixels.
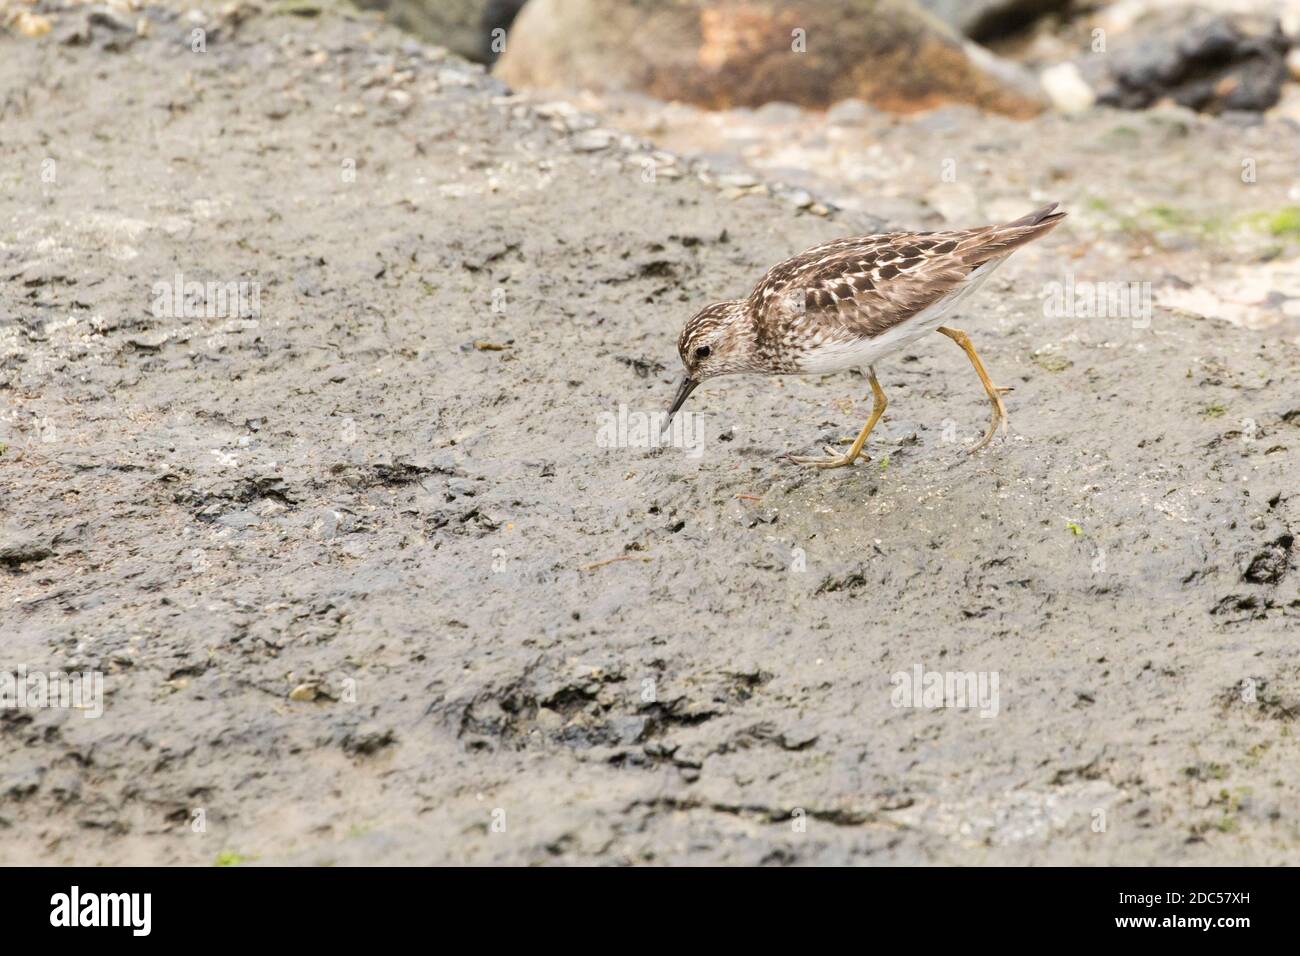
{"type": "Point", "coordinates": [367, 584]}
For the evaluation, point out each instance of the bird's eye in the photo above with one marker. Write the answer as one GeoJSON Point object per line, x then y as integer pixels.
{"type": "Point", "coordinates": [702, 352]}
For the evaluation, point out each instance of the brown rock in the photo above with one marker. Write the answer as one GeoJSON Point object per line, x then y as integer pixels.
{"type": "Point", "coordinates": [725, 53]}
{"type": "Point", "coordinates": [31, 24]}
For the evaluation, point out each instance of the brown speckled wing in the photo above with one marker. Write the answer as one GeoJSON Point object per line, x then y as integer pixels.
{"type": "Point", "coordinates": [862, 286]}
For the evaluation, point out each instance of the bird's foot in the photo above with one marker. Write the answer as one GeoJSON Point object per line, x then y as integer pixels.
{"type": "Point", "coordinates": [832, 459]}
{"type": "Point", "coordinates": [998, 423]}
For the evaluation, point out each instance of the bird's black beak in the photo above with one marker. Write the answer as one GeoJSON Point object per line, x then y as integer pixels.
{"type": "Point", "coordinates": [683, 392]}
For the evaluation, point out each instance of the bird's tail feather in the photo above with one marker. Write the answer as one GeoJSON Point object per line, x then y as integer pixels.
{"type": "Point", "coordinates": [1037, 217]}
{"type": "Point", "coordinates": [1001, 240]}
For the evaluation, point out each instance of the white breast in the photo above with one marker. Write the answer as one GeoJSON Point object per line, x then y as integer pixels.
{"type": "Point", "coordinates": [836, 355]}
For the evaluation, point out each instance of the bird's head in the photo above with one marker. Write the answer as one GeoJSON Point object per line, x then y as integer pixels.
{"type": "Point", "coordinates": [717, 340]}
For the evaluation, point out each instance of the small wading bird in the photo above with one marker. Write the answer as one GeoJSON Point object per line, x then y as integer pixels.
{"type": "Point", "coordinates": [848, 302]}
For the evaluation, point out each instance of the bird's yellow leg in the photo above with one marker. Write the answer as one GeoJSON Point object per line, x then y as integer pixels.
{"type": "Point", "coordinates": [994, 392]}
{"type": "Point", "coordinates": [849, 457]}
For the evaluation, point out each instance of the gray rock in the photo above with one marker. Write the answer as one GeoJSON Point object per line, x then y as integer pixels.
{"type": "Point", "coordinates": [18, 548]}
{"type": "Point", "coordinates": [737, 180]}
{"type": "Point", "coordinates": [1215, 40]}
{"type": "Point", "coordinates": [239, 520]}
{"type": "Point", "coordinates": [800, 199]}
{"type": "Point", "coordinates": [850, 112]}
{"type": "Point", "coordinates": [989, 19]}
{"type": "Point", "coordinates": [1215, 65]}
{"type": "Point", "coordinates": [462, 26]}
{"type": "Point", "coordinates": [1153, 64]}
{"type": "Point", "coordinates": [593, 141]}
{"type": "Point", "coordinates": [778, 112]}
{"type": "Point", "coordinates": [333, 522]}
{"type": "Point", "coordinates": [149, 341]}
{"type": "Point", "coordinates": [629, 729]}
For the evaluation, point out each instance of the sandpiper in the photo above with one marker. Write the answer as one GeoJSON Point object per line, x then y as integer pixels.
{"type": "Point", "coordinates": [848, 302]}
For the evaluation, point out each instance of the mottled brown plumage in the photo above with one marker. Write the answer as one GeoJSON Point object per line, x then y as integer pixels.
{"type": "Point", "coordinates": [847, 302]}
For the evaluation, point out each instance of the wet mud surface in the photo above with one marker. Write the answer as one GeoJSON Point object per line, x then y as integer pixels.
{"type": "Point", "coordinates": [367, 586]}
